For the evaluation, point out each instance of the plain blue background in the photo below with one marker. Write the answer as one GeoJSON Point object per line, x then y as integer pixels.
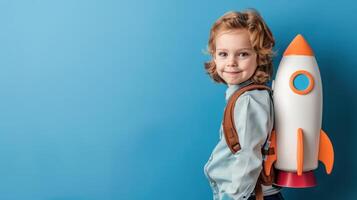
{"type": "Point", "coordinates": [109, 100]}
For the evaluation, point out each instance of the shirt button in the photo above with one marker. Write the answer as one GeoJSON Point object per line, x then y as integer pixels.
{"type": "Point", "coordinates": [210, 158]}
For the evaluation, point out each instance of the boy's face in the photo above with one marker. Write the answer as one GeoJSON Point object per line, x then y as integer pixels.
{"type": "Point", "coordinates": [235, 57]}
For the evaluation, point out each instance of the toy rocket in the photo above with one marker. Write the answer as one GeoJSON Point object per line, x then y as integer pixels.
{"type": "Point", "coordinates": [298, 138]}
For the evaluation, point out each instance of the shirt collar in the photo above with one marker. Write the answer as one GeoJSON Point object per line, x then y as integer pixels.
{"type": "Point", "coordinates": [232, 88]}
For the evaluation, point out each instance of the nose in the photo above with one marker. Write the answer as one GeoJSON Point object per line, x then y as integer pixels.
{"type": "Point", "coordinates": [232, 62]}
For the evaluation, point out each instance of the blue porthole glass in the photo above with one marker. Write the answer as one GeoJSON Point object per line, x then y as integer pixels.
{"type": "Point", "coordinates": [301, 82]}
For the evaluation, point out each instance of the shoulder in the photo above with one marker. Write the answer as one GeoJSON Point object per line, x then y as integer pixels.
{"type": "Point", "coordinates": [253, 117]}
{"type": "Point", "coordinates": [262, 97]}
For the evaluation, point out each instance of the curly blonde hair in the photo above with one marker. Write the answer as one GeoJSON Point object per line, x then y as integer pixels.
{"type": "Point", "coordinates": [261, 39]}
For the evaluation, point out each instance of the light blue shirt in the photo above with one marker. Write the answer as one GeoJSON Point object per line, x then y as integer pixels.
{"type": "Point", "coordinates": [234, 176]}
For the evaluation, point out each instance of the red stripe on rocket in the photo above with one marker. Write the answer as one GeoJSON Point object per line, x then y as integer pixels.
{"type": "Point", "coordinates": [298, 138]}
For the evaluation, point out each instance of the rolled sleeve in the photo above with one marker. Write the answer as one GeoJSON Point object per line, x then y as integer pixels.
{"type": "Point", "coordinates": [253, 122]}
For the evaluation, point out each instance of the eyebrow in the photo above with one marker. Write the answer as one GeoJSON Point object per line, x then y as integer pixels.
{"type": "Point", "coordinates": [247, 48]}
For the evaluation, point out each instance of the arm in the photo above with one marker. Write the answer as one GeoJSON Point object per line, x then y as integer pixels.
{"type": "Point", "coordinates": [253, 120]}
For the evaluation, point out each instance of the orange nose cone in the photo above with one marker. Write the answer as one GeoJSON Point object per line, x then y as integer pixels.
{"type": "Point", "coordinates": [299, 46]}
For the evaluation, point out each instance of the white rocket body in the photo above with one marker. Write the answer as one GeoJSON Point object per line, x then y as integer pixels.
{"type": "Point", "coordinates": [298, 140]}
{"type": "Point", "coordinates": [294, 111]}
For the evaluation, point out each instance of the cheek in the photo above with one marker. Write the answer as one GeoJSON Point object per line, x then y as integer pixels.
{"type": "Point", "coordinates": [251, 65]}
{"type": "Point", "coordinates": [219, 69]}
{"type": "Point", "coordinates": [219, 66]}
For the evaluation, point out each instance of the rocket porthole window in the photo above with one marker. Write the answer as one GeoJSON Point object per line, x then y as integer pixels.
{"type": "Point", "coordinates": [301, 82]}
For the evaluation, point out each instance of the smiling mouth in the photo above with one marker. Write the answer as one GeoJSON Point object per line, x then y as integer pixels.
{"type": "Point", "coordinates": [233, 72]}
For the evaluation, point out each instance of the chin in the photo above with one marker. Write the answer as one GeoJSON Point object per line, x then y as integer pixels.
{"type": "Point", "coordinates": [233, 82]}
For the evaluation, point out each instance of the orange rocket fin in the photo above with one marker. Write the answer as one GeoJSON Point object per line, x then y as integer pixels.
{"type": "Point", "coordinates": [326, 153]}
{"type": "Point", "coordinates": [268, 163]}
{"type": "Point", "coordinates": [300, 151]}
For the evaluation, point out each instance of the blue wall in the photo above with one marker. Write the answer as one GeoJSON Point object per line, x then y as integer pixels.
{"type": "Point", "coordinates": [105, 100]}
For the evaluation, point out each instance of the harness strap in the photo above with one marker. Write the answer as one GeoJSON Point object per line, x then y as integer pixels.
{"type": "Point", "coordinates": [258, 191]}
{"type": "Point", "coordinates": [230, 131]}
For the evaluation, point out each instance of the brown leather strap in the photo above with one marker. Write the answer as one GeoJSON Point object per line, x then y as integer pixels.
{"type": "Point", "coordinates": [270, 151]}
{"type": "Point", "coordinates": [258, 190]}
{"type": "Point", "coordinates": [229, 129]}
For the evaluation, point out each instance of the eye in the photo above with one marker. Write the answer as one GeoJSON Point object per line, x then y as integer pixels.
{"type": "Point", "coordinates": [222, 54]}
{"type": "Point", "coordinates": [243, 54]}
